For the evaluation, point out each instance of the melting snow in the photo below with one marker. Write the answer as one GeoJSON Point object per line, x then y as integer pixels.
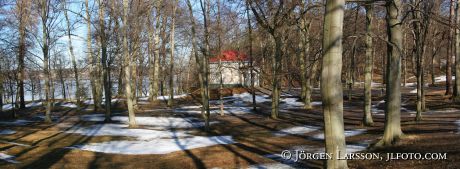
{"type": "Point", "coordinates": [7, 107]}
{"type": "Point", "coordinates": [164, 122]}
{"type": "Point", "coordinates": [7, 132]}
{"type": "Point", "coordinates": [70, 105]}
{"type": "Point", "coordinates": [442, 78]}
{"type": "Point", "coordinates": [34, 104]}
{"type": "Point", "coordinates": [16, 122]}
{"type": "Point", "coordinates": [148, 141]}
{"type": "Point", "coordinates": [247, 97]}
{"type": "Point", "coordinates": [175, 97]}
{"type": "Point", "coordinates": [348, 133]}
{"type": "Point", "coordinates": [155, 146]}
{"type": "Point", "coordinates": [296, 130]}
{"type": "Point", "coordinates": [8, 158]}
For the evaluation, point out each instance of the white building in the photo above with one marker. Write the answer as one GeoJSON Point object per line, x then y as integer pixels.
{"type": "Point", "coordinates": [235, 69]}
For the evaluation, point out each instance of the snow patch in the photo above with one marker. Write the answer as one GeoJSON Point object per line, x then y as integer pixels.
{"type": "Point", "coordinates": [122, 130]}
{"type": "Point", "coordinates": [296, 130]}
{"type": "Point", "coordinates": [348, 133]}
{"type": "Point", "coordinates": [69, 105]}
{"type": "Point", "coordinates": [247, 97]}
{"type": "Point", "coordinates": [155, 146]}
{"type": "Point", "coordinates": [175, 97]}
{"type": "Point", "coordinates": [292, 102]}
{"type": "Point", "coordinates": [7, 132]}
{"type": "Point", "coordinates": [442, 78]}
{"type": "Point", "coordinates": [8, 158]}
{"type": "Point", "coordinates": [163, 122]}
{"type": "Point", "coordinates": [7, 107]}
{"type": "Point", "coordinates": [34, 104]}
{"type": "Point", "coordinates": [16, 122]}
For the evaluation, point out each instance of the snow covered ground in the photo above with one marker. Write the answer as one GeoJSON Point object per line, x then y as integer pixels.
{"type": "Point", "coordinates": [160, 135]}
{"type": "Point", "coordinates": [155, 146]}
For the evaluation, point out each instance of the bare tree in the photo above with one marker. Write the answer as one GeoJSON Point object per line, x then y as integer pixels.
{"type": "Point", "coordinates": [127, 64]}
{"type": "Point", "coordinates": [367, 118]}
{"type": "Point", "coordinates": [450, 49]}
{"type": "Point", "coordinates": [171, 63]}
{"type": "Point", "coordinates": [271, 16]}
{"type": "Point", "coordinates": [331, 85]}
{"type": "Point", "coordinates": [201, 74]}
{"type": "Point", "coordinates": [104, 61]}
{"type": "Point", "coordinates": [72, 55]}
{"type": "Point", "coordinates": [393, 87]}
{"type": "Point", "coordinates": [457, 54]}
{"type": "Point", "coordinates": [23, 14]}
{"type": "Point", "coordinates": [205, 61]}
{"type": "Point", "coordinates": [421, 26]}
{"type": "Point", "coordinates": [44, 6]}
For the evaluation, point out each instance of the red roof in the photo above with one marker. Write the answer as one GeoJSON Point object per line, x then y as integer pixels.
{"type": "Point", "coordinates": [230, 56]}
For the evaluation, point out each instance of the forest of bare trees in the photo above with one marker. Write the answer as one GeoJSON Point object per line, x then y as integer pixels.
{"type": "Point", "coordinates": [133, 56]}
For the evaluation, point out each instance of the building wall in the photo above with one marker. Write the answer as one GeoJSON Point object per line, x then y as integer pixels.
{"type": "Point", "coordinates": [231, 74]}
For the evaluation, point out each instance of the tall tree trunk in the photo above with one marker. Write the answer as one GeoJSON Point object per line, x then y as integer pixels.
{"type": "Point", "coordinates": [91, 58]}
{"type": "Point", "coordinates": [171, 61]}
{"type": "Point", "coordinates": [305, 62]}
{"type": "Point", "coordinates": [156, 53]}
{"type": "Point", "coordinates": [457, 53]}
{"type": "Point", "coordinates": [251, 57]}
{"type": "Point", "coordinates": [221, 80]}
{"type": "Point", "coordinates": [421, 29]}
{"type": "Point", "coordinates": [367, 118]}
{"type": "Point", "coordinates": [128, 62]}
{"type": "Point", "coordinates": [153, 52]}
{"type": "Point", "coordinates": [23, 6]}
{"type": "Point", "coordinates": [450, 50]}
{"type": "Point", "coordinates": [276, 68]}
{"type": "Point", "coordinates": [72, 56]}
{"type": "Point", "coordinates": [205, 61]}
{"type": "Point", "coordinates": [1, 87]}
{"type": "Point", "coordinates": [45, 50]}
{"type": "Point", "coordinates": [331, 85]}
{"type": "Point", "coordinates": [404, 60]}
{"type": "Point", "coordinates": [104, 62]}
{"type": "Point", "coordinates": [393, 87]}
{"type": "Point", "coordinates": [199, 62]}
